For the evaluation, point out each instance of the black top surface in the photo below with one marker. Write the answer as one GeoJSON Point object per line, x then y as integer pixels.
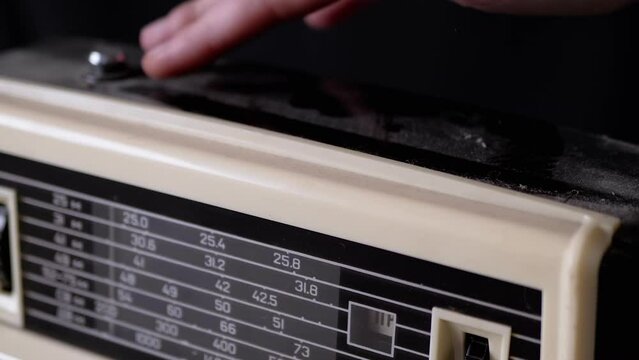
{"type": "Point", "coordinates": [527, 155]}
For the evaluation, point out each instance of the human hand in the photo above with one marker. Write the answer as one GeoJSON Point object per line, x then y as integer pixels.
{"type": "Point", "coordinates": [198, 31]}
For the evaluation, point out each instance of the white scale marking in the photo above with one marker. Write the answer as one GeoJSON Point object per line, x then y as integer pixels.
{"type": "Point", "coordinates": [412, 351]}
{"type": "Point", "coordinates": [99, 334]}
{"type": "Point", "coordinates": [133, 327]}
{"type": "Point", "coordinates": [162, 278]}
{"type": "Point", "coordinates": [53, 302]}
{"type": "Point", "coordinates": [92, 277]}
{"type": "Point", "coordinates": [43, 205]}
{"type": "Point", "coordinates": [91, 198]}
{"type": "Point", "coordinates": [423, 332]}
{"type": "Point", "coordinates": [527, 338]}
{"type": "Point", "coordinates": [108, 242]}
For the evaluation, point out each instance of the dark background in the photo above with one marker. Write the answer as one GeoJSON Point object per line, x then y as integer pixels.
{"type": "Point", "coordinates": [579, 71]}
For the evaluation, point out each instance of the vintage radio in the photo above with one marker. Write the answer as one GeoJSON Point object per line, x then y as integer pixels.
{"type": "Point", "coordinates": [251, 213]}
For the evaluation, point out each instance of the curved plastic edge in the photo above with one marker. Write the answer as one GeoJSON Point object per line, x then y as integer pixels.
{"type": "Point", "coordinates": [578, 286]}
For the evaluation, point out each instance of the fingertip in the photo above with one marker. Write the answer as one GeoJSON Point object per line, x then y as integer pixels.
{"type": "Point", "coordinates": [318, 22]}
{"type": "Point", "coordinates": [494, 5]}
{"type": "Point", "coordinates": [334, 13]}
{"type": "Point", "coordinates": [164, 28]}
{"type": "Point", "coordinates": [170, 59]}
{"type": "Point", "coordinates": [143, 40]}
{"type": "Point", "coordinates": [154, 65]}
{"type": "Point", "coordinates": [152, 34]}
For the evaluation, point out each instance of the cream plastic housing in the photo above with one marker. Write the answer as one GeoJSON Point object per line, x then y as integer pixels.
{"type": "Point", "coordinates": [16, 344]}
{"type": "Point", "coordinates": [431, 215]}
{"type": "Point", "coordinates": [11, 303]}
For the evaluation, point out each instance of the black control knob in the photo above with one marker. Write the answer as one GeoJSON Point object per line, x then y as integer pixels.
{"type": "Point", "coordinates": [5, 251]}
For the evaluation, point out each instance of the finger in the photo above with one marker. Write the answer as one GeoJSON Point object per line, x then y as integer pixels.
{"type": "Point", "coordinates": [225, 24]}
{"type": "Point", "coordinates": [546, 7]}
{"type": "Point", "coordinates": [164, 28]}
{"type": "Point", "coordinates": [334, 13]}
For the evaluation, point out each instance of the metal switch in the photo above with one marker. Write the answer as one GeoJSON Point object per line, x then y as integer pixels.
{"type": "Point", "coordinates": [107, 63]}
